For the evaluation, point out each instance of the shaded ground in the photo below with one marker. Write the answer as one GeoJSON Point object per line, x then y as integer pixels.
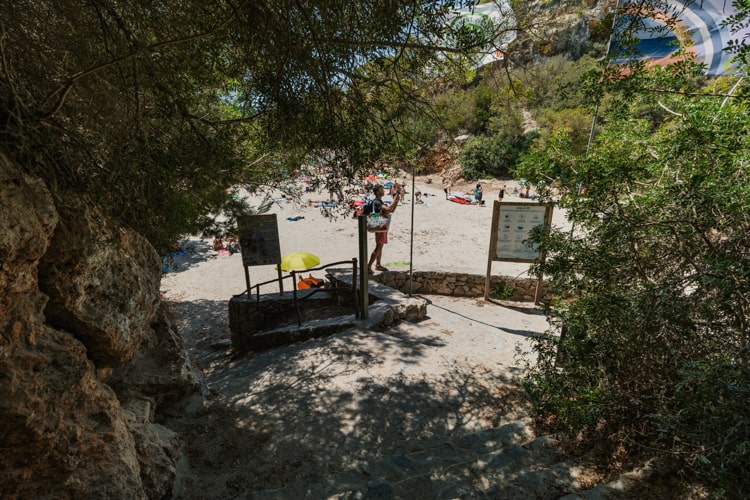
{"type": "Point", "coordinates": [427, 410]}
{"type": "Point", "coordinates": [334, 406]}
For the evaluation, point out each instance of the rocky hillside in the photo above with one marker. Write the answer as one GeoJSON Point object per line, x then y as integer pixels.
{"type": "Point", "coordinates": [88, 357]}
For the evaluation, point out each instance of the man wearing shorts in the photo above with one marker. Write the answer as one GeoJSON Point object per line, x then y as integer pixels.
{"type": "Point", "coordinates": [381, 238]}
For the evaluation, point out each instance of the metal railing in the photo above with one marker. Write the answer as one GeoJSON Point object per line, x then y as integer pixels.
{"type": "Point", "coordinates": [299, 295]}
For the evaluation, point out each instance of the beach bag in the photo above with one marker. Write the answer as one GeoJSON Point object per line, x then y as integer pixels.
{"type": "Point", "coordinates": [309, 282]}
{"type": "Point", "coordinates": [378, 223]}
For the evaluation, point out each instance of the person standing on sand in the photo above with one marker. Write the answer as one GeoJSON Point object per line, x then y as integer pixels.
{"type": "Point", "coordinates": [448, 191]}
{"type": "Point", "coordinates": [501, 194]}
{"type": "Point", "coordinates": [478, 194]}
{"type": "Point", "coordinates": [381, 238]}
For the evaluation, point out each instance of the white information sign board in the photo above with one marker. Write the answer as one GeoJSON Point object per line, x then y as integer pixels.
{"type": "Point", "coordinates": [512, 225]}
{"type": "Point", "coordinates": [511, 228]}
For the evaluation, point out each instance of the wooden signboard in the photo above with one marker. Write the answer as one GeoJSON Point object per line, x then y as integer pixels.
{"type": "Point", "coordinates": [512, 224]}
{"type": "Point", "coordinates": [259, 243]}
{"type": "Point", "coordinates": [259, 240]}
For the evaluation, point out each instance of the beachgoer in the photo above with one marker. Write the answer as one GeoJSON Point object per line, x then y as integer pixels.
{"type": "Point", "coordinates": [478, 194]}
{"type": "Point", "coordinates": [381, 238]}
{"type": "Point", "coordinates": [448, 190]}
{"type": "Point", "coordinates": [418, 196]}
{"type": "Point", "coordinates": [233, 246]}
{"type": "Point", "coordinates": [501, 194]}
{"type": "Point", "coordinates": [218, 244]}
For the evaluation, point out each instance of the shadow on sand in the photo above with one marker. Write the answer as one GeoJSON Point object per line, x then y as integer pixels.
{"type": "Point", "coordinates": [191, 253]}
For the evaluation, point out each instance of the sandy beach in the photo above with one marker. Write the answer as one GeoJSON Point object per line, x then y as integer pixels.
{"type": "Point", "coordinates": [447, 236]}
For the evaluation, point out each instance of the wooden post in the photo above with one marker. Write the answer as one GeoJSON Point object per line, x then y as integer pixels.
{"type": "Point", "coordinates": [493, 247]}
{"type": "Point", "coordinates": [543, 255]}
{"type": "Point", "coordinates": [355, 287]}
{"type": "Point", "coordinates": [539, 289]}
{"type": "Point", "coordinates": [247, 280]}
{"type": "Point", "coordinates": [363, 260]}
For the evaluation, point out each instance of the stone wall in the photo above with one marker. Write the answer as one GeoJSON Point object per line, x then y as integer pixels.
{"type": "Point", "coordinates": [458, 284]}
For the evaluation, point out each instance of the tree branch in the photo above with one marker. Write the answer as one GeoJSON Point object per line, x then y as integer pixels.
{"type": "Point", "coordinates": [60, 93]}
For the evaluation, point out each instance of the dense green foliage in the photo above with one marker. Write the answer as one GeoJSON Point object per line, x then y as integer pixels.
{"type": "Point", "coordinates": [495, 108]}
{"type": "Point", "coordinates": [154, 109]}
{"type": "Point", "coordinates": [485, 157]}
{"type": "Point", "coordinates": [650, 347]}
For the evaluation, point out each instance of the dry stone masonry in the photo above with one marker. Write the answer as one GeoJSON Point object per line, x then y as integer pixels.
{"type": "Point", "coordinates": [457, 284]}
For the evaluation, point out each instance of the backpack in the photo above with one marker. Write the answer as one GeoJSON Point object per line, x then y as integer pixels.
{"type": "Point", "coordinates": [369, 206]}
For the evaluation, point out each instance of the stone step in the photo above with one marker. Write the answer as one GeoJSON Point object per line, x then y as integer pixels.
{"type": "Point", "coordinates": [503, 462]}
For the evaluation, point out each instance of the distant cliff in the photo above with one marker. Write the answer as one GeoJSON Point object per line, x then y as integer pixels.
{"type": "Point", "coordinates": [561, 28]}
{"type": "Point", "coordinates": [88, 356]}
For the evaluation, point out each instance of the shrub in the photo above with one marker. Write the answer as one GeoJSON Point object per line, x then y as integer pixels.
{"type": "Point", "coordinates": [490, 157]}
{"type": "Point", "coordinates": [656, 351]}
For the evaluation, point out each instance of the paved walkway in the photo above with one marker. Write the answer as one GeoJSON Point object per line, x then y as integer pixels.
{"type": "Point", "coordinates": [417, 410]}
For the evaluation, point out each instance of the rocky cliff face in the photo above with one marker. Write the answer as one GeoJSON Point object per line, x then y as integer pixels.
{"type": "Point", "coordinates": [561, 28]}
{"type": "Point", "coordinates": [88, 356]}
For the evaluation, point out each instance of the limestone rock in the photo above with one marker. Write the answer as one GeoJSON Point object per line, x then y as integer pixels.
{"type": "Point", "coordinates": [64, 435]}
{"type": "Point", "coordinates": [27, 219]}
{"type": "Point", "coordinates": [157, 448]}
{"type": "Point", "coordinates": [63, 430]}
{"type": "Point", "coordinates": [102, 283]}
{"type": "Point", "coordinates": [160, 369]}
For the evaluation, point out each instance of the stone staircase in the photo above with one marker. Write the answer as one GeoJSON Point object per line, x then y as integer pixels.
{"type": "Point", "coordinates": [495, 463]}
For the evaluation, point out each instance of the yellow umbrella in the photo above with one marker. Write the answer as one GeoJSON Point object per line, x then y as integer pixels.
{"type": "Point", "coordinates": [298, 261]}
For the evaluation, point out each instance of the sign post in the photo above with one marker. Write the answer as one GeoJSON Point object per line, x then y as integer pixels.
{"type": "Point", "coordinates": [364, 296]}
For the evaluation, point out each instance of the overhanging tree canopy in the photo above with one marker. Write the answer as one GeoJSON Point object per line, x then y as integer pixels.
{"type": "Point", "coordinates": [153, 108]}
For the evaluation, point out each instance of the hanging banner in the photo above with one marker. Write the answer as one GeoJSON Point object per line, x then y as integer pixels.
{"type": "Point", "coordinates": [692, 25]}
